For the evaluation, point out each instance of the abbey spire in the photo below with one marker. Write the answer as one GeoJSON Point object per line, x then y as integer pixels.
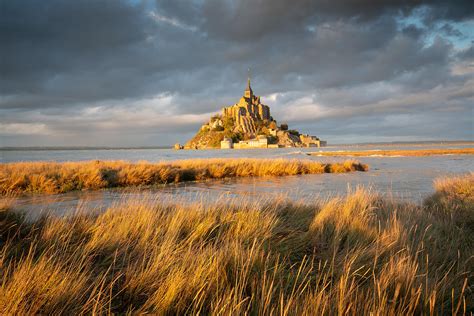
{"type": "Point", "coordinates": [248, 91]}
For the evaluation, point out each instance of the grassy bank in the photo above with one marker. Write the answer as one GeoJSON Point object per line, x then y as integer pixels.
{"type": "Point", "coordinates": [52, 177]}
{"type": "Point", "coordinates": [407, 153]}
{"type": "Point", "coordinates": [356, 255]}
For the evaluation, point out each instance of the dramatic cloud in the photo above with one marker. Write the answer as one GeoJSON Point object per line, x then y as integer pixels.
{"type": "Point", "coordinates": [131, 73]}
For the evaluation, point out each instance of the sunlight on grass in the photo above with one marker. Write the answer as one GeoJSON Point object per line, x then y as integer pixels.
{"type": "Point", "coordinates": [53, 177]}
{"type": "Point", "coordinates": [361, 254]}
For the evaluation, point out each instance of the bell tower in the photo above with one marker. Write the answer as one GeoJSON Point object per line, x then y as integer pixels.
{"type": "Point", "coordinates": [248, 91]}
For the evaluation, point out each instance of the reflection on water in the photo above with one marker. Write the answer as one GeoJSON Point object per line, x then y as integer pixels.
{"type": "Point", "coordinates": [408, 178]}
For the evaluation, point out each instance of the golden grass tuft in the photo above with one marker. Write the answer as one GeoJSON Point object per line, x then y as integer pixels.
{"type": "Point", "coordinates": [53, 177]}
{"type": "Point", "coordinates": [356, 255]}
{"type": "Point", "coordinates": [454, 198]}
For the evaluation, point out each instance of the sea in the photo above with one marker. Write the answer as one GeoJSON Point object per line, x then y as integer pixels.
{"type": "Point", "coordinates": [397, 177]}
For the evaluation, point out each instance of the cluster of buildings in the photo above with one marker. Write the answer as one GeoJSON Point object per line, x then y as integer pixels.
{"type": "Point", "coordinates": [261, 141]}
{"type": "Point", "coordinates": [311, 141]}
{"type": "Point", "coordinates": [251, 119]}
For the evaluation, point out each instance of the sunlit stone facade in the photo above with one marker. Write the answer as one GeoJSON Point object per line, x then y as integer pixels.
{"type": "Point", "coordinates": [247, 111]}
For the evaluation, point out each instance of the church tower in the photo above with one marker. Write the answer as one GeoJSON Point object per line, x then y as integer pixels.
{"type": "Point", "coordinates": [248, 91]}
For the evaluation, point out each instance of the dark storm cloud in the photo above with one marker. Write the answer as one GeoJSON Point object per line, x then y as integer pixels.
{"type": "Point", "coordinates": [131, 67]}
{"type": "Point", "coordinates": [80, 30]}
{"type": "Point", "coordinates": [250, 20]}
{"type": "Point", "coordinates": [69, 49]}
{"type": "Point", "coordinates": [456, 10]}
{"type": "Point", "coordinates": [450, 30]}
{"type": "Point", "coordinates": [468, 53]}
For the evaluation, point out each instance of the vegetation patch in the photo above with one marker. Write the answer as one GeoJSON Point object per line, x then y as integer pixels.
{"type": "Point", "coordinates": [357, 255]}
{"type": "Point", "coordinates": [53, 177]}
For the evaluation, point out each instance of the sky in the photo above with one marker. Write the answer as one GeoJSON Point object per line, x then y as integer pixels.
{"type": "Point", "coordinates": [150, 73]}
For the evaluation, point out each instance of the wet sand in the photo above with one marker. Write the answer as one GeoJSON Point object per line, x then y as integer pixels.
{"type": "Point", "coordinates": [394, 153]}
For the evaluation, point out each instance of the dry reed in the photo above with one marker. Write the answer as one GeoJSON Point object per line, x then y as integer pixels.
{"type": "Point", "coordinates": [52, 177]}
{"type": "Point", "coordinates": [358, 255]}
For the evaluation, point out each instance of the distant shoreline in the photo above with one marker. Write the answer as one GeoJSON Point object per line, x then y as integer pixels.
{"type": "Point", "coordinates": [81, 148]}
{"type": "Point", "coordinates": [415, 143]}
{"type": "Point", "coordinates": [420, 143]}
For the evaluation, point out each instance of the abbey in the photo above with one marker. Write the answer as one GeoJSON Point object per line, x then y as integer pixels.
{"type": "Point", "coordinates": [247, 111]}
{"type": "Point", "coordinates": [248, 124]}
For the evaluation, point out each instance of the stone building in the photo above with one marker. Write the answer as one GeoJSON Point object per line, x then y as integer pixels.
{"type": "Point", "coordinates": [247, 111]}
{"type": "Point", "coordinates": [311, 141]}
{"type": "Point", "coordinates": [227, 143]}
{"type": "Point", "coordinates": [260, 142]}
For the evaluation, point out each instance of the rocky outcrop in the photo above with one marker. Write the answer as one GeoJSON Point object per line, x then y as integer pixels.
{"type": "Point", "coordinates": [287, 139]}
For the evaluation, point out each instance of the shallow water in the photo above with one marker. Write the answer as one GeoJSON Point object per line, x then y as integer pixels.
{"type": "Point", "coordinates": [154, 155]}
{"type": "Point", "coordinates": [405, 178]}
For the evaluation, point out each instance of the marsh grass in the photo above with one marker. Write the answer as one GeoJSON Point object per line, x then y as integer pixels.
{"type": "Point", "coordinates": [454, 198]}
{"type": "Point", "coordinates": [53, 177]}
{"type": "Point", "coordinates": [356, 255]}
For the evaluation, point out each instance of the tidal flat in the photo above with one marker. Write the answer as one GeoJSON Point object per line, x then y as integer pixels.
{"type": "Point", "coordinates": [395, 153]}
{"type": "Point", "coordinates": [403, 178]}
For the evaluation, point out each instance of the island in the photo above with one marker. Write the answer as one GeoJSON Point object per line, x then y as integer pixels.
{"type": "Point", "coordinates": [248, 124]}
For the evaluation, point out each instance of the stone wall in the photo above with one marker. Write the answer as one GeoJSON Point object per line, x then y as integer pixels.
{"type": "Point", "coordinates": [259, 142]}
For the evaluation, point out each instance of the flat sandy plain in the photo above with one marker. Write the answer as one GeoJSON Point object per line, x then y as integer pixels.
{"type": "Point", "coordinates": [395, 153]}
